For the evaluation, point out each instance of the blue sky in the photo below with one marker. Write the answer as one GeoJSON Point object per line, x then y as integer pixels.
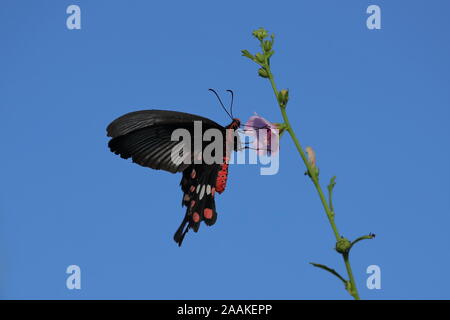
{"type": "Point", "coordinates": [374, 104]}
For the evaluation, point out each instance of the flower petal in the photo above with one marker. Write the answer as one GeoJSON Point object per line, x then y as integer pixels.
{"type": "Point", "coordinates": [265, 133]}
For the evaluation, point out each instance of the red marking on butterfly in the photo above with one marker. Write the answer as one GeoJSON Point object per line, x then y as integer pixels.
{"type": "Point", "coordinates": [208, 213]}
{"type": "Point", "coordinates": [196, 217]}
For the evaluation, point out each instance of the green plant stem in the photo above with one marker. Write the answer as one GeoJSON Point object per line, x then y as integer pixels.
{"type": "Point", "coordinates": [353, 289]}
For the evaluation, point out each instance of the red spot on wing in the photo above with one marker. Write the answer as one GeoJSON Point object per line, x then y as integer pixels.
{"type": "Point", "coordinates": [196, 217]}
{"type": "Point", "coordinates": [208, 213]}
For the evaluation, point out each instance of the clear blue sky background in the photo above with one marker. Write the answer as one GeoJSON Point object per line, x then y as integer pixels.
{"type": "Point", "coordinates": [374, 105]}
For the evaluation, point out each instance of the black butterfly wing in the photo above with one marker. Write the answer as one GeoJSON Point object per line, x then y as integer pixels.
{"type": "Point", "coordinates": [147, 118]}
{"type": "Point", "coordinates": [145, 137]}
{"type": "Point", "coordinates": [198, 186]}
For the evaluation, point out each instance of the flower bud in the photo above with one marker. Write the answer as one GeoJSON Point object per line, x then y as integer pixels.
{"type": "Point", "coordinates": [260, 34]}
{"type": "Point", "coordinates": [260, 58]}
{"type": "Point", "coordinates": [343, 245]}
{"type": "Point", "coordinates": [267, 45]}
{"type": "Point", "coordinates": [311, 156]}
{"type": "Point", "coordinates": [263, 73]}
{"type": "Point", "coordinates": [283, 96]}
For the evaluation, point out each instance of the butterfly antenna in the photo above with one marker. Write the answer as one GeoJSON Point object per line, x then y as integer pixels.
{"type": "Point", "coordinates": [232, 99]}
{"type": "Point", "coordinates": [214, 91]}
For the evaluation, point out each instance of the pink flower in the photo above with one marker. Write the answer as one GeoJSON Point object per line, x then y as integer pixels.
{"type": "Point", "coordinates": [265, 133]}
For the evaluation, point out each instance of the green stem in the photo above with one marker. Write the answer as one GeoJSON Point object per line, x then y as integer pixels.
{"type": "Point", "coordinates": [314, 177]}
{"type": "Point", "coordinates": [354, 289]}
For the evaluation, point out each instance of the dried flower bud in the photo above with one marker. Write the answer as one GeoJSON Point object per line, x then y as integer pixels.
{"type": "Point", "coordinates": [311, 156]}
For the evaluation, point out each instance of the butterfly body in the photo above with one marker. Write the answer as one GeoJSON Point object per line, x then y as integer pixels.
{"type": "Point", "coordinates": [146, 137]}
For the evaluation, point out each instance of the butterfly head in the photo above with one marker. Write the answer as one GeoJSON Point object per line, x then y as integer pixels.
{"type": "Point", "coordinates": [235, 124]}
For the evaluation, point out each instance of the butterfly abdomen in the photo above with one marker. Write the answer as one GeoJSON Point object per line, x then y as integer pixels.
{"type": "Point", "coordinates": [222, 176]}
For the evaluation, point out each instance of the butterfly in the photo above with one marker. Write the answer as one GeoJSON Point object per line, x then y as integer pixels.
{"type": "Point", "coordinates": [146, 137]}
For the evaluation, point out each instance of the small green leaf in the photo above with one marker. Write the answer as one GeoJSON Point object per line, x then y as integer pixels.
{"type": "Point", "coordinates": [332, 271]}
{"type": "Point", "coordinates": [366, 237]}
{"type": "Point", "coordinates": [330, 194]}
{"type": "Point", "coordinates": [247, 54]}
{"type": "Point", "coordinates": [332, 184]}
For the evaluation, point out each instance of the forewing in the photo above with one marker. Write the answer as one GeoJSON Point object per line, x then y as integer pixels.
{"type": "Point", "coordinates": [148, 118]}
{"type": "Point", "coordinates": [145, 137]}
